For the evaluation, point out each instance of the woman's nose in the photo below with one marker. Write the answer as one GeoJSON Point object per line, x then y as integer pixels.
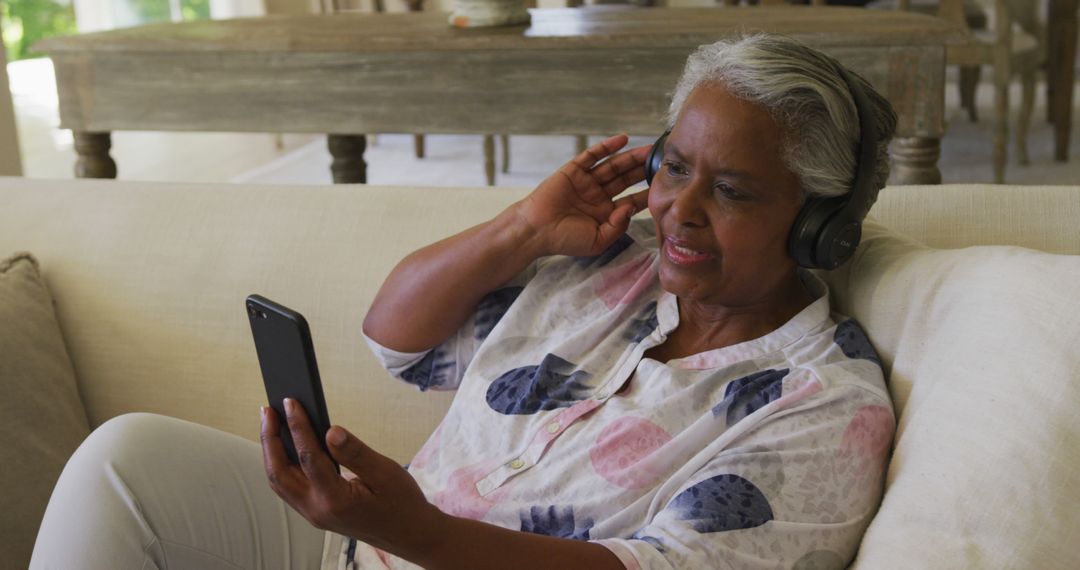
{"type": "Point", "coordinates": [687, 206]}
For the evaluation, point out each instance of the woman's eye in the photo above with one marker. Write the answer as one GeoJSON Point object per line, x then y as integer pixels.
{"type": "Point", "coordinates": [674, 168]}
{"type": "Point", "coordinates": [729, 192]}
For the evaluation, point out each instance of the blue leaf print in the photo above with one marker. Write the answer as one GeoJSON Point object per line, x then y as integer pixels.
{"type": "Point", "coordinates": [642, 325]}
{"type": "Point", "coordinates": [748, 394]}
{"type": "Point", "coordinates": [431, 371]}
{"type": "Point", "coordinates": [555, 521]}
{"type": "Point", "coordinates": [721, 503]}
{"type": "Point", "coordinates": [624, 241]}
{"type": "Point", "coordinates": [492, 308]}
{"type": "Point", "coordinates": [552, 384]}
{"type": "Point", "coordinates": [852, 340]}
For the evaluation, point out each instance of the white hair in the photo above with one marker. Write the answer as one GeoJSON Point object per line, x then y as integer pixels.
{"type": "Point", "coordinates": [803, 91]}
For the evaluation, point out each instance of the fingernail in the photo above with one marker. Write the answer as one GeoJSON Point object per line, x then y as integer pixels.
{"type": "Point", "coordinates": [290, 405]}
{"type": "Point", "coordinates": [336, 436]}
{"type": "Point", "coordinates": [262, 414]}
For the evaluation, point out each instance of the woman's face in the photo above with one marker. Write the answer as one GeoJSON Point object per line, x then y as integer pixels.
{"type": "Point", "coordinates": [723, 203]}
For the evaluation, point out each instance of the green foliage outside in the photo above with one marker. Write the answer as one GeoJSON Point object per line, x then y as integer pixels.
{"type": "Point", "coordinates": [27, 21]}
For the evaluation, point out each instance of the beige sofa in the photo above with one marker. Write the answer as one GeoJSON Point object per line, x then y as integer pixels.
{"type": "Point", "coordinates": [980, 344]}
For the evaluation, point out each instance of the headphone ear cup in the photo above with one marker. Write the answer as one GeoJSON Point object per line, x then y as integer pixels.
{"type": "Point", "coordinates": [838, 240]}
{"type": "Point", "coordinates": [656, 156]}
{"type": "Point", "coordinates": [810, 240]}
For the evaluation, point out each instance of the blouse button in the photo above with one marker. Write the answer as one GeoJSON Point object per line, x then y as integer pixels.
{"type": "Point", "coordinates": [553, 427]}
{"type": "Point", "coordinates": [517, 464]}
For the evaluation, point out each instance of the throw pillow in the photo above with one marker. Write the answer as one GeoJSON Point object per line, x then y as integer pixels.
{"type": "Point", "coordinates": [42, 419]}
{"type": "Point", "coordinates": [980, 349]}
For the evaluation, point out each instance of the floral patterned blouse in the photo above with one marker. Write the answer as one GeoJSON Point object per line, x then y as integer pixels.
{"type": "Point", "coordinates": [766, 454]}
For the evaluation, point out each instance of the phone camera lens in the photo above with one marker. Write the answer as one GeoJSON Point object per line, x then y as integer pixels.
{"type": "Point", "coordinates": [251, 310]}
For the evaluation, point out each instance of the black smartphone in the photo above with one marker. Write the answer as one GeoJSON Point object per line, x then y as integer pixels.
{"type": "Point", "coordinates": [287, 359]}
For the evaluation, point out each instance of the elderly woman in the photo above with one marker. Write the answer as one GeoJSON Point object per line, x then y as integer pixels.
{"type": "Point", "coordinates": [662, 392]}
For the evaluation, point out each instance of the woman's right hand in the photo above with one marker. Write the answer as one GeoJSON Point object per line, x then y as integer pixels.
{"type": "Point", "coordinates": [573, 211]}
{"type": "Point", "coordinates": [434, 290]}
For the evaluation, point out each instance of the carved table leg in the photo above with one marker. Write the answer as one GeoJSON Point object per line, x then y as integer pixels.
{"type": "Point", "coordinates": [94, 160]}
{"type": "Point", "coordinates": [915, 160]}
{"type": "Point", "coordinates": [348, 152]}
{"type": "Point", "coordinates": [489, 159]}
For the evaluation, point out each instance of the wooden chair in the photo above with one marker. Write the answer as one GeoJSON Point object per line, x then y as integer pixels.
{"type": "Point", "coordinates": [1013, 47]}
{"type": "Point", "coordinates": [378, 6]}
{"type": "Point", "coordinates": [976, 20]}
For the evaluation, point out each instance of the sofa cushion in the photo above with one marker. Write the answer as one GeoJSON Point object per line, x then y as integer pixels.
{"type": "Point", "coordinates": [41, 416]}
{"type": "Point", "coordinates": [980, 348]}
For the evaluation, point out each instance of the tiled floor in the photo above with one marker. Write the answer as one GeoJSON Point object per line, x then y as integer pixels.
{"type": "Point", "coordinates": [452, 160]}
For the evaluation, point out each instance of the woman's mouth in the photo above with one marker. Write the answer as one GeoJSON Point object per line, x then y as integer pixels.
{"type": "Point", "coordinates": [679, 254]}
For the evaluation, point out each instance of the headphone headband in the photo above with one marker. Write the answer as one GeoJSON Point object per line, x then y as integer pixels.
{"type": "Point", "coordinates": [863, 193]}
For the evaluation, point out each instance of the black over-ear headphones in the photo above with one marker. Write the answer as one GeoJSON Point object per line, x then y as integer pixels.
{"type": "Point", "coordinates": [826, 230]}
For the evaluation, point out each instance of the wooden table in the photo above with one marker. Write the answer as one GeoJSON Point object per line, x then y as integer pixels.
{"type": "Point", "coordinates": [584, 70]}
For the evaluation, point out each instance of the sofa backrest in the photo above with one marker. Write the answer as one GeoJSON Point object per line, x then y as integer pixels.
{"type": "Point", "coordinates": [961, 215]}
{"type": "Point", "coordinates": [149, 280]}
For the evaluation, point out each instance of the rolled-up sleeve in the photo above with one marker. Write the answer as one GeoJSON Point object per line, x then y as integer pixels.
{"type": "Point", "coordinates": [442, 367]}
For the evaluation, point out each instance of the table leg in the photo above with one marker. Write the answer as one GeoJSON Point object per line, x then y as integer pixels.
{"type": "Point", "coordinates": [489, 159]}
{"type": "Point", "coordinates": [915, 160]}
{"type": "Point", "coordinates": [348, 166]}
{"type": "Point", "coordinates": [93, 151]}
{"type": "Point", "coordinates": [504, 141]}
{"type": "Point", "coordinates": [1052, 40]}
{"type": "Point", "coordinates": [1061, 66]}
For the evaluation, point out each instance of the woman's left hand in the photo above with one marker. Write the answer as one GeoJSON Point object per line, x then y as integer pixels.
{"type": "Point", "coordinates": [382, 506]}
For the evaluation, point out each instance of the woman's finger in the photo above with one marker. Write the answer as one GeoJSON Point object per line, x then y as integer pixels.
{"type": "Point", "coordinates": [315, 463]}
{"type": "Point", "coordinates": [639, 200]}
{"type": "Point", "coordinates": [621, 165]}
{"type": "Point", "coordinates": [599, 151]}
{"type": "Point", "coordinates": [615, 226]}
{"type": "Point", "coordinates": [623, 181]}
{"type": "Point", "coordinates": [355, 455]}
{"type": "Point", "coordinates": [581, 183]}
{"type": "Point", "coordinates": [280, 473]}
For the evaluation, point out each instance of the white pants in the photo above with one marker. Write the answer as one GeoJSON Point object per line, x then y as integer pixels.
{"type": "Point", "coordinates": [147, 491]}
